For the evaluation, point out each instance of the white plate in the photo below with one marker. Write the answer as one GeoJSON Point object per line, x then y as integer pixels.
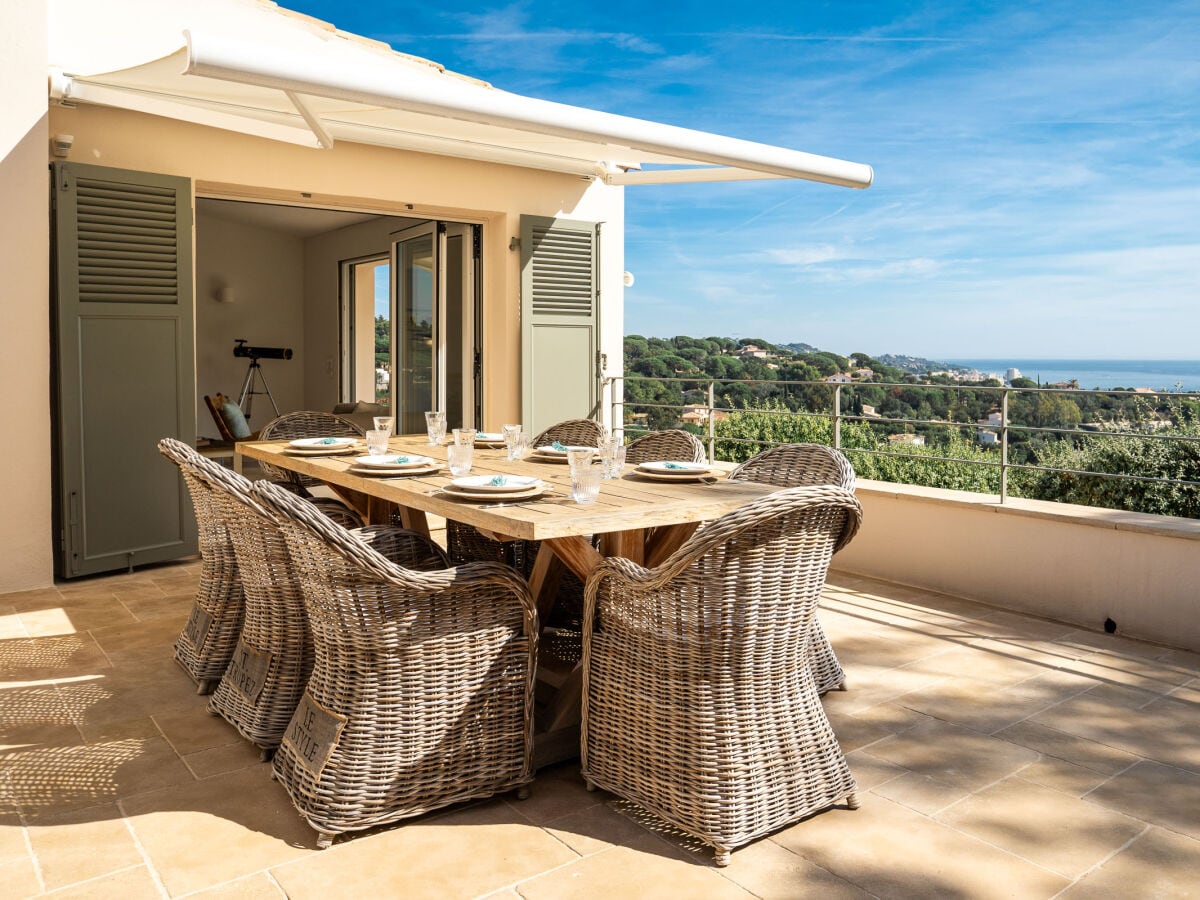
{"type": "Point", "coordinates": [483, 483]}
{"type": "Point", "coordinates": [322, 443]}
{"type": "Point", "coordinates": [548, 449]}
{"type": "Point", "coordinates": [393, 461]}
{"type": "Point", "coordinates": [678, 476]}
{"type": "Point", "coordinates": [391, 473]}
{"type": "Point", "coordinates": [674, 467]}
{"type": "Point", "coordinates": [320, 451]}
{"type": "Point", "coordinates": [471, 494]}
{"type": "Point", "coordinates": [488, 437]}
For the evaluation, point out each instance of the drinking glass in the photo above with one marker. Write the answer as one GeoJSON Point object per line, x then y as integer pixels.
{"type": "Point", "coordinates": [385, 423]}
{"type": "Point", "coordinates": [511, 433]}
{"type": "Point", "coordinates": [580, 458]}
{"type": "Point", "coordinates": [435, 424]}
{"type": "Point", "coordinates": [459, 456]}
{"type": "Point", "coordinates": [377, 441]}
{"type": "Point", "coordinates": [464, 437]}
{"type": "Point", "coordinates": [613, 460]}
{"type": "Point", "coordinates": [585, 484]}
{"type": "Point", "coordinates": [520, 446]}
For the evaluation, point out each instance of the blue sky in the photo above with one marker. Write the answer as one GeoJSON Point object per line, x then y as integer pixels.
{"type": "Point", "coordinates": [1037, 166]}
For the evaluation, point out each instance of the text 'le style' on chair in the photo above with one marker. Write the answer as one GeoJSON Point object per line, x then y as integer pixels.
{"type": "Point", "coordinates": [421, 693]}
{"type": "Point", "coordinates": [303, 424]}
{"type": "Point", "coordinates": [698, 701]}
{"type": "Point", "coordinates": [797, 465]}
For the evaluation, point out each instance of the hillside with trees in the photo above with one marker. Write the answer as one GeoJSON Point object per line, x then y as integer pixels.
{"type": "Point", "coordinates": [912, 427]}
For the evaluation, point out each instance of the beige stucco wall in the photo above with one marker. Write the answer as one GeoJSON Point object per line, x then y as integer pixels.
{"type": "Point", "coordinates": [265, 270]}
{"type": "Point", "coordinates": [1069, 563]}
{"type": "Point", "coordinates": [422, 186]}
{"type": "Point", "coordinates": [26, 560]}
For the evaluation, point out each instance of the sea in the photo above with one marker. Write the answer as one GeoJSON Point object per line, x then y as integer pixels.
{"type": "Point", "coordinates": [1105, 374]}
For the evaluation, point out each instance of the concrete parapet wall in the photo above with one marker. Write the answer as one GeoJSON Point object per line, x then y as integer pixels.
{"type": "Point", "coordinates": [1070, 563]}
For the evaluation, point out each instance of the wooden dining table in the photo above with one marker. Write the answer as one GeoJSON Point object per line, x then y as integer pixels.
{"type": "Point", "coordinates": [637, 517]}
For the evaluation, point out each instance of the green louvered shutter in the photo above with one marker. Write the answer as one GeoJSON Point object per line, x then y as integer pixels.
{"type": "Point", "coordinates": [124, 366]}
{"type": "Point", "coordinates": [560, 320]}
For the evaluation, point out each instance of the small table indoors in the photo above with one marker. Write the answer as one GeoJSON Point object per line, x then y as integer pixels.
{"type": "Point", "coordinates": [635, 518]}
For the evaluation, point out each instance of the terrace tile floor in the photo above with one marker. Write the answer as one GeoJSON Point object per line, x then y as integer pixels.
{"type": "Point", "coordinates": [997, 756]}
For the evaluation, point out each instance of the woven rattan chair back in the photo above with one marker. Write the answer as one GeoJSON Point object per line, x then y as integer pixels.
{"type": "Point", "coordinates": [207, 641]}
{"type": "Point", "coordinates": [657, 446]}
{"type": "Point", "coordinates": [303, 424]}
{"type": "Point", "coordinates": [727, 739]}
{"type": "Point", "coordinates": [421, 694]}
{"type": "Point", "coordinates": [796, 465]}
{"type": "Point", "coordinates": [580, 432]}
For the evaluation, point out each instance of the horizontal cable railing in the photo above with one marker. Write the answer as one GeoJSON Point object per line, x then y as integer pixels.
{"type": "Point", "coordinates": [694, 402]}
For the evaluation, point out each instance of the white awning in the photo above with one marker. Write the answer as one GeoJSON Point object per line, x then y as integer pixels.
{"type": "Point", "coordinates": [251, 67]}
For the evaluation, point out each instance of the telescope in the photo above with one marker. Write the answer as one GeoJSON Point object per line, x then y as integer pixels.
{"type": "Point", "coordinates": [240, 349]}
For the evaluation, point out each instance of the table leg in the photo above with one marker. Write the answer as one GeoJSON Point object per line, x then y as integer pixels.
{"type": "Point", "coordinates": [413, 519]}
{"type": "Point", "coordinates": [666, 540]}
{"type": "Point", "coordinates": [628, 544]}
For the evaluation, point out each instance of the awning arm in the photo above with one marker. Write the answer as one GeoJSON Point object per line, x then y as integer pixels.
{"type": "Point", "coordinates": [324, 138]}
{"type": "Point", "coordinates": [384, 81]}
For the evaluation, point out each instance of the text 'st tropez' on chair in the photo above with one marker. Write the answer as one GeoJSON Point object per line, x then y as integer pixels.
{"type": "Point", "coordinates": [273, 657]}
{"type": "Point", "coordinates": [421, 694]}
{"type": "Point", "coordinates": [302, 424]}
{"type": "Point", "coordinates": [660, 446]}
{"type": "Point", "coordinates": [698, 703]}
{"type": "Point", "coordinates": [797, 465]}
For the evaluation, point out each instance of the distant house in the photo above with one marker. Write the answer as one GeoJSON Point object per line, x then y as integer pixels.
{"type": "Point", "coordinates": [869, 412]}
{"type": "Point", "coordinates": [839, 378]}
{"type": "Point", "coordinates": [756, 352]}
{"type": "Point", "coordinates": [912, 440]}
{"type": "Point", "coordinates": [988, 436]}
{"type": "Point", "coordinates": [695, 415]}
{"type": "Point", "coordinates": [863, 374]}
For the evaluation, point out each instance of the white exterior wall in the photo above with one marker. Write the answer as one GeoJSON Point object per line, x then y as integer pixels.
{"type": "Point", "coordinates": [26, 552]}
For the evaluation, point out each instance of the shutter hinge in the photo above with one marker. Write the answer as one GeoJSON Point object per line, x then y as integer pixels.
{"type": "Point", "coordinates": [514, 243]}
{"type": "Point", "coordinates": [64, 180]}
{"type": "Point", "coordinates": [601, 361]}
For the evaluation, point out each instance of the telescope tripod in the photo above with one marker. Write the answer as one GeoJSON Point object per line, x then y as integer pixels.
{"type": "Point", "coordinates": [246, 400]}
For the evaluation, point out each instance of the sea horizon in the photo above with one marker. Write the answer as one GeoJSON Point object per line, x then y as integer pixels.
{"type": "Point", "coordinates": [1105, 374]}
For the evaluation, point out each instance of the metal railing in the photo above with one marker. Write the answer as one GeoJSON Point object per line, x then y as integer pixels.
{"type": "Point", "coordinates": [700, 396]}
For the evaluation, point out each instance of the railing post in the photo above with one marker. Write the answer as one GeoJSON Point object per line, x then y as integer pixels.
{"type": "Point", "coordinates": [1004, 445]}
{"type": "Point", "coordinates": [837, 417]}
{"type": "Point", "coordinates": [712, 424]}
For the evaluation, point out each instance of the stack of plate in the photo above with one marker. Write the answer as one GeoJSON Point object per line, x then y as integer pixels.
{"type": "Point", "coordinates": [390, 465]}
{"type": "Point", "coordinates": [495, 487]}
{"type": "Point", "coordinates": [488, 439]}
{"type": "Point", "coordinates": [674, 470]}
{"type": "Point", "coordinates": [549, 454]}
{"type": "Point", "coordinates": [321, 446]}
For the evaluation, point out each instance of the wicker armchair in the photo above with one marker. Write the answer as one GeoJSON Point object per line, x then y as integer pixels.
{"type": "Point", "coordinates": [422, 690]}
{"type": "Point", "coordinates": [273, 658]}
{"type": "Point", "coordinates": [581, 432]}
{"type": "Point", "coordinates": [207, 641]}
{"type": "Point", "coordinates": [303, 424]}
{"type": "Point", "coordinates": [697, 702]}
{"type": "Point", "coordinates": [796, 465]}
{"type": "Point", "coordinates": [658, 446]}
